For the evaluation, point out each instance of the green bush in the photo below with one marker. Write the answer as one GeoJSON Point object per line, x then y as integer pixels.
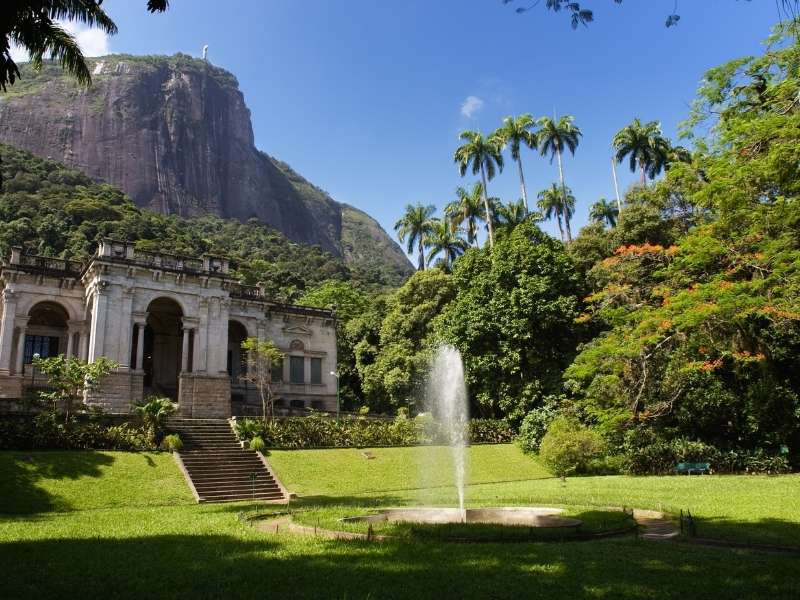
{"type": "Point", "coordinates": [257, 444]}
{"type": "Point", "coordinates": [172, 442]}
{"type": "Point", "coordinates": [534, 426]}
{"type": "Point", "coordinates": [47, 432]}
{"type": "Point", "coordinates": [490, 431]}
{"type": "Point", "coordinates": [645, 452]}
{"type": "Point", "coordinates": [154, 412]}
{"type": "Point", "coordinates": [568, 447]}
{"type": "Point", "coordinates": [321, 431]}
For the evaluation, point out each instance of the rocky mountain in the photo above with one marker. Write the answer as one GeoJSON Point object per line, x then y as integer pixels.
{"type": "Point", "coordinates": [174, 133]}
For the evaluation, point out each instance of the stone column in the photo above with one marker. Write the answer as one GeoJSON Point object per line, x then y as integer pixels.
{"type": "Point", "coordinates": [22, 323]}
{"type": "Point", "coordinates": [139, 346]}
{"type": "Point", "coordinates": [7, 331]}
{"type": "Point", "coordinates": [124, 329]}
{"type": "Point", "coordinates": [83, 344]}
{"type": "Point", "coordinates": [97, 339]}
{"type": "Point", "coordinates": [200, 364]}
{"type": "Point", "coordinates": [185, 351]}
{"type": "Point", "coordinates": [70, 340]}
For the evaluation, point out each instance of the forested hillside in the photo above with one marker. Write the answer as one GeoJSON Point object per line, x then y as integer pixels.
{"type": "Point", "coordinates": [52, 210]}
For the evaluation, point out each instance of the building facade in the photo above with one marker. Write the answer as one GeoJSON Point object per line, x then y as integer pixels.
{"type": "Point", "coordinates": [174, 325]}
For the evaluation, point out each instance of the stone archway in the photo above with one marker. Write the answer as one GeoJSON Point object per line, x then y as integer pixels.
{"type": "Point", "coordinates": [237, 333]}
{"type": "Point", "coordinates": [163, 348]}
{"type": "Point", "coordinates": [46, 333]}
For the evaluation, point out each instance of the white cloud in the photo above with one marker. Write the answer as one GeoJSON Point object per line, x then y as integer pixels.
{"type": "Point", "coordinates": [471, 105]}
{"type": "Point", "coordinates": [93, 42]}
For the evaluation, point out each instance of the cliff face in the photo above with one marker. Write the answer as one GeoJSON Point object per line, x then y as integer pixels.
{"type": "Point", "coordinates": [174, 134]}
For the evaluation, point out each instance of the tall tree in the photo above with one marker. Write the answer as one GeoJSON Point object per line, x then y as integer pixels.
{"type": "Point", "coordinates": [551, 205]}
{"type": "Point", "coordinates": [467, 209]}
{"type": "Point", "coordinates": [32, 25]}
{"type": "Point", "coordinates": [554, 138]}
{"type": "Point", "coordinates": [516, 133]}
{"type": "Point", "coordinates": [512, 214]}
{"type": "Point", "coordinates": [645, 147]}
{"type": "Point", "coordinates": [413, 226]}
{"type": "Point", "coordinates": [446, 240]}
{"type": "Point", "coordinates": [481, 155]}
{"type": "Point", "coordinates": [604, 211]}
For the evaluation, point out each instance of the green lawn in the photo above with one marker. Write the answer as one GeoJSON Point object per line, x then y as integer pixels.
{"type": "Point", "coordinates": [745, 508]}
{"type": "Point", "coordinates": [106, 524]}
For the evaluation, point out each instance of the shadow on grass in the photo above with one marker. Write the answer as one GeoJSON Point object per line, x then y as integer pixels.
{"type": "Point", "coordinates": [20, 473]}
{"type": "Point", "coordinates": [775, 532]}
{"type": "Point", "coordinates": [220, 566]}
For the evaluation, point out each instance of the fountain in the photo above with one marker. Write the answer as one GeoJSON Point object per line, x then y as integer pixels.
{"type": "Point", "coordinates": [447, 394]}
{"type": "Point", "coordinates": [447, 401]}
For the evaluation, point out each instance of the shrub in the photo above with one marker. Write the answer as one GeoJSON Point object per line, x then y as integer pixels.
{"type": "Point", "coordinates": [534, 426]}
{"type": "Point", "coordinates": [154, 412]}
{"type": "Point", "coordinates": [257, 444]}
{"type": "Point", "coordinates": [490, 431]}
{"type": "Point", "coordinates": [568, 447]}
{"type": "Point", "coordinates": [47, 432]}
{"type": "Point", "coordinates": [172, 442]}
{"type": "Point", "coordinates": [321, 431]}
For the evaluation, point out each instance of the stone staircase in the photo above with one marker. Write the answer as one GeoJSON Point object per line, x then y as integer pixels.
{"type": "Point", "coordinates": [217, 467]}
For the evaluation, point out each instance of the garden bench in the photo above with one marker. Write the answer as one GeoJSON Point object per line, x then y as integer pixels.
{"type": "Point", "coordinates": [689, 468]}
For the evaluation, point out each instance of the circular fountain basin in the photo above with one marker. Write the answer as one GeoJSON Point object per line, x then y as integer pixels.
{"type": "Point", "coordinates": [519, 516]}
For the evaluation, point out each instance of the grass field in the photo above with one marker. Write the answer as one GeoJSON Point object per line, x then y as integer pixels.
{"type": "Point", "coordinates": [120, 525]}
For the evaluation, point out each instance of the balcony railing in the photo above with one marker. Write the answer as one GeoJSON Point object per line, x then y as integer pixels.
{"type": "Point", "coordinates": [167, 261]}
{"type": "Point", "coordinates": [47, 265]}
{"type": "Point", "coordinates": [245, 292]}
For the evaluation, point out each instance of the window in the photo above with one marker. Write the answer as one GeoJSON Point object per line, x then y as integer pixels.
{"type": "Point", "coordinates": [297, 369]}
{"type": "Point", "coordinates": [316, 370]}
{"type": "Point", "coordinates": [43, 345]}
{"type": "Point", "coordinates": [277, 371]}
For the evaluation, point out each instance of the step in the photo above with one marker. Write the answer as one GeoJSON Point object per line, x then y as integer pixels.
{"type": "Point", "coordinates": [213, 488]}
{"type": "Point", "coordinates": [240, 497]}
{"type": "Point", "coordinates": [200, 482]}
{"type": "Point", "coordinates": [204, 470]}
{"type": "Point", "coordinates": [212, 463]}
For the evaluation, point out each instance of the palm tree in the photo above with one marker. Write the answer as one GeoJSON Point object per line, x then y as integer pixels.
{"type": "Point", "coordinates": [467, 208]}
{"type": "Point", "coordinates": [414, 225]}
{"type": "Point", "coordinates": [557, 203]}
{"type": "Point", "coordinates": [604, 211]}
{"type": "Point", "coordinates": [554, 138]}
{"type": "Point", "coordinates": [445, 240]}
{"type": "Point", "coordinates": [482, 155]}
{"type": "Point", "coordinates": [645, 147]}
{"type": "Point", "coordinates": [512, 214]}
{"type": "Point", "coordinates": [515, 133]}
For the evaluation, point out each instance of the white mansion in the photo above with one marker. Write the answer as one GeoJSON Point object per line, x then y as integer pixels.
{"type": "Point", "coordinates": [173, 324]}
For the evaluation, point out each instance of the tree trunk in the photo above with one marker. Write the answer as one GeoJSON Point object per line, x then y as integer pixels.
{"type": "Point", "coordinates": [488, 210]}
{"type": "Point", "coordinates": [564, 195]}
{"type": "Point", "coordinates": [644, 177]}
{"type": "Point", "coordinates": [522, 186]}
{"type": "Point", "coordinates": [560, 227]}
{"type": "Point", "coordinates": [616, 183]}
{"type": "Point", "coordinates": [421, 254]}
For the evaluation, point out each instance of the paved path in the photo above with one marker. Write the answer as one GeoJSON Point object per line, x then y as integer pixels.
{"type": "Point", "coordinates": [655, 525]}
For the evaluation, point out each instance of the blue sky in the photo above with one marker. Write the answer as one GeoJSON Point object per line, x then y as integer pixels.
{"type": "Point", "coordinates": [365, 97]}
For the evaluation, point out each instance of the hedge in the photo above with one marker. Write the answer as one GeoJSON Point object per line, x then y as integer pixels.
{"type": "Point", "coordinates": [319, 431]}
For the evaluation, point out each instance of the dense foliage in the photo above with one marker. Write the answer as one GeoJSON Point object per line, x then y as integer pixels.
{"type": "Point", "coordinates": [51, 210]}
{"type": "Point", "coordinates": [700, 308]}
{"type": "Point", "coordinates": [48, 432]}
{"type": "Point", "coordinates": [319, 431]}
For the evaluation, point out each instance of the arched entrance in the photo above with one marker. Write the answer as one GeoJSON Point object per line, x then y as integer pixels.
{"type": "Point", "coordinates": [237, 364]}
{"type": "Point", "coordinates": [46, 333]}
{"type": "Point", "coordinates": [163, 346]}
